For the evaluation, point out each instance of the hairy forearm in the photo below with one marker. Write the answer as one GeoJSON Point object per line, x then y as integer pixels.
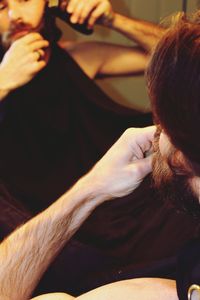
{"type": "Point", "coordinates": [146, 34]}
{"type": "Point", "coordinates": [26, 254]}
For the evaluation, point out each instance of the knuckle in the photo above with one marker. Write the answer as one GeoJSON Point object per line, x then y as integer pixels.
{"type": "Point", "coordinates": [129, 131]}
{"type": "Point", "coordinates": [36, 35]}
{"type": "Point", "coordinates": [84, 14]}
{"type": "Point", "coordinates": [94, 15]}
{"type": "Point", "coordinates": [137, 171]}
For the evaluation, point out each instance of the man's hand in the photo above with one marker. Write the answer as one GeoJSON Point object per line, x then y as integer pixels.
{"type": "Point", "coordinates": [125, 165]}
{"type": "Point", "coordinates": [23, 60]}
{"type": "Point", "coordinates": [90, 11]}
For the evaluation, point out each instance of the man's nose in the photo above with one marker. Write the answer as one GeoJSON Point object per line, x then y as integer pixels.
{"type": "Point", "coordinates": [14, 12]}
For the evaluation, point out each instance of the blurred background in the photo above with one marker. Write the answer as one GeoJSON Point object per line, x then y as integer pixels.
{"type": "Point", "coordinates": [130, 91]}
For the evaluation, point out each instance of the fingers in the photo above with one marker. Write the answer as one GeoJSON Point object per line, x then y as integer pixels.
{"type": "Point", "coordinates": [146, 140]}
{"type": "Point", "coordinates": [150, 131]}
{"type": "Point", "coordinates": [90, 11]}
{"type": "Point", "coordinates": [145, 166]}
{"type": "Point", "coordinates": [97, 13]}
{"type": "Point", "coordinates": [85, 13]}
{"type": "Point", "coordinates": [29, 38]}
{"type": "Point", "coordinates": [41, 53]}
{"type": "Point", "coordinates": [35, 56]}
{"type": "Point", "coordinates": [77, 15]}
{"type": "Point", "coordinates": [142, 139]}
{"type": "Point", "coordinates": [72, 6]}
{"type": "Point", "coordinates": [31, 43]}
{"type": "Point", "coordinates": [141, 168]}
{"type": "Point", "coordinates": [81, 10]}
{"type": "Point", "coordinates": [38, 44]}
{"type": "Point", "coordinates": [31, 46]}
{"type": "Point", "coordinates": [26, 54]}
{"type": "Point", "coordinates": [38, 66]}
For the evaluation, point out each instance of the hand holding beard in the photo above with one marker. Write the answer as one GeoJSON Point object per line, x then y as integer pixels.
{"type": "Point", "coordinates": [125, 165]}
{"type": "Point", "coordinates": [23, 60]}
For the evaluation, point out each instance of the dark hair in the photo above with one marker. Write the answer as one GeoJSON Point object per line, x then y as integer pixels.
{"type": "Point", "coordinates": [173, 80]}
{"type": "Point", "coordinates": [51, 30]}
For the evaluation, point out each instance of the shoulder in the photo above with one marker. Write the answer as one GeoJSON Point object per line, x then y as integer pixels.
{"type": "Point", "coordinates": [134, 289]}
{"type": "Point", "coordinates": [74, 46]}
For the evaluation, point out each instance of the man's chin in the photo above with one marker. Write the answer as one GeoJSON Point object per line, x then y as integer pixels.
{"type": "Point", "coordinates": [10, 37]}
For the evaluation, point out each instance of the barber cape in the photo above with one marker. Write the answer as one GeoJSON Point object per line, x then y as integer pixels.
{"type": "Point", "coordinates": [52, 131]}
{"type": "Point", "coordinates": [188, 271]}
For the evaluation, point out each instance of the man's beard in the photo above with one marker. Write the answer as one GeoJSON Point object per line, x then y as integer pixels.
{"type": "Point", "coordinates": [16, 31]}
{"type": "Point", "coordinates": [173, 188]}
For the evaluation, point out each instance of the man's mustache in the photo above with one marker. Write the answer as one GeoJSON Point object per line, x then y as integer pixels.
{"type": "Point", "coordinates": [18, 27]}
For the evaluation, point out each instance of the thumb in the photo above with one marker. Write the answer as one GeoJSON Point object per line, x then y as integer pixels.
{"type": "Point", "coordinates": [143, 167]}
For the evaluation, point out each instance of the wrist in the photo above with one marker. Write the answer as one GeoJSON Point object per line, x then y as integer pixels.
{"type": "Point", "coordinates": [120, 22]}
{"type": "Point", "coordinates": [4, 86]}
{"type": "Point", "coordinates": [91, 186]}
{"type": "Point", "coordinates": [3, 91]}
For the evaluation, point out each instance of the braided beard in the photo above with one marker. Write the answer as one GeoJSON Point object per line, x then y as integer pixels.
{"type": "Point", "coordinates": [172, 187]}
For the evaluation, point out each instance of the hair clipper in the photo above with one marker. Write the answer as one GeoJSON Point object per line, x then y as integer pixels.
{"type": "Point", "coordinates": [57, 10]}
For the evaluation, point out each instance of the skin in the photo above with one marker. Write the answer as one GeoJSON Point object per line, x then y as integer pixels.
{"type": "Point", "coordinates": [134, 289]}
{"type": "Point", "coordinates": [54, 296]}
{"type": "Point", "coordinates": [144, 289]}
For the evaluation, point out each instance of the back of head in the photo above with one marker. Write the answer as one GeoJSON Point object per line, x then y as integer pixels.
{"type": "Point", "coordinates": [173, 79]}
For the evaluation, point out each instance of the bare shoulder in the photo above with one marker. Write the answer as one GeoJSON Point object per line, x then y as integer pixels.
{"type": "Point", "coordinates": [134, 289]}
{"type": "Point", "coordinates": [86, 55]}
{"type": "Point", "coordinates": [80, 50]}
{"type": "Point", "coordinates": [78, 46]}
{"type": "Point", "coordinates": [54, 296]}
